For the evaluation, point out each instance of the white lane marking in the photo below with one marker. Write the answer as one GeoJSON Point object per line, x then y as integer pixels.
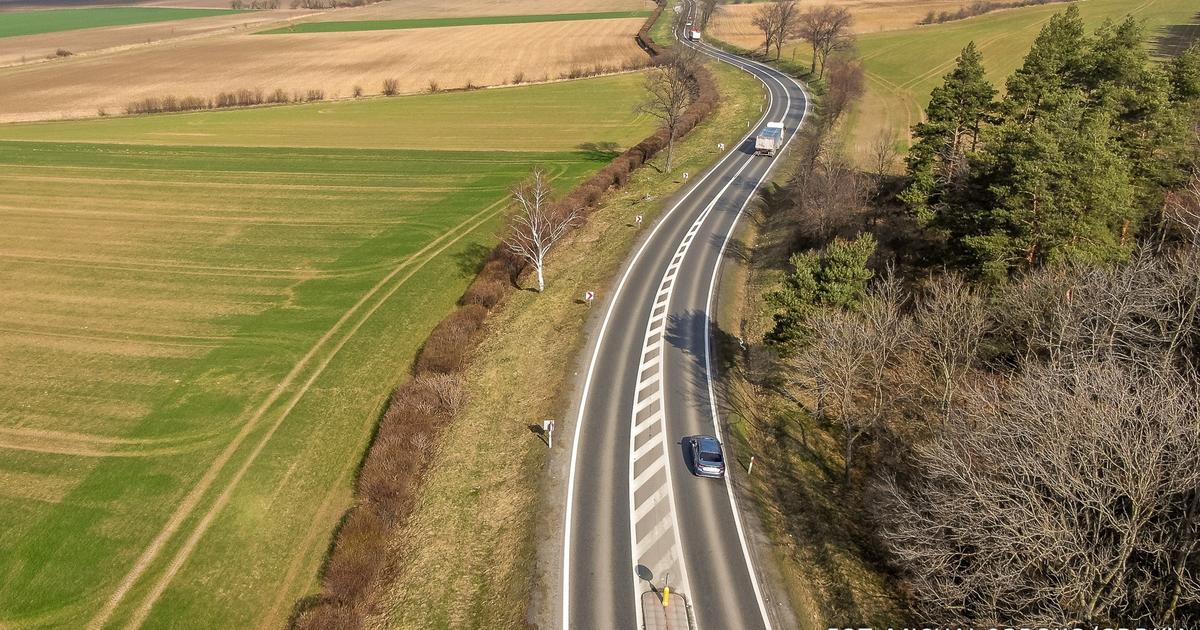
{"type": "Point", "coordinates": [647, 474]}
{"type": "Point", "coordinates": [708, 372]}
{"type": "Point", "coordinates": [643, 553]}
{"type": "Point", "coordinates": [587, 383]}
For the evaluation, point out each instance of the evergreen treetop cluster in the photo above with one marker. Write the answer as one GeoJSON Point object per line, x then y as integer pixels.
{"type": "Point", "coordinates": [1069, 165]}
{"type": "Point", "coordinates": [836, 276]}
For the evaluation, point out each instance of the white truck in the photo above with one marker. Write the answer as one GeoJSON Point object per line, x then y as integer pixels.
{"type": "Point", "coordinates": [694, 36]}
{"type": "Point", "coordinates": [769, 140]}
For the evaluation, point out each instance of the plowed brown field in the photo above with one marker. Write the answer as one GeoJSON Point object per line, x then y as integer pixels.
{"type": "Point", "coordinates": [333, 62]}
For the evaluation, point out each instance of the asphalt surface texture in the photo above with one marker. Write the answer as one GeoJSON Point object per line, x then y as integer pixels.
{"type": "Point", "coordinates": [637, 517]}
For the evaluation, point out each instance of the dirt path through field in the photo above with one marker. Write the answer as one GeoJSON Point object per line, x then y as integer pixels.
{"type": "Point", "coordinates": [192, 499]}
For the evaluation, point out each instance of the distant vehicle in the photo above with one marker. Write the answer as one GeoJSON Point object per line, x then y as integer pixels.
{"type": "Point", "coordinates": [769, 140]}
{"type": "Point", "coordinates": [707, 458]}
{"type": "Point", "coordinates": [694, 35]}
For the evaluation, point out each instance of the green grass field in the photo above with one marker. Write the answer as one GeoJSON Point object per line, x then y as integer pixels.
{"type": "Point", "coordinates": [904, 66]}
{"type": "Point", "coordinates": [196, 340]}
{"type": "Point", "coordinates": [497, 119]}
{"type": "Point", "coordinates": [388, 25]}
{"type": "Point", "coordinates": [57, 20]}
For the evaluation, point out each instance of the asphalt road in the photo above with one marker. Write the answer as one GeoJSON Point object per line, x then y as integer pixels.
{"type": "Point", "coordinates": [636, 517]}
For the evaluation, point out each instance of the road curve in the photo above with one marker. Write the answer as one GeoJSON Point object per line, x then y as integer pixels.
{"type": "Point", "coordinates": [632, 505]}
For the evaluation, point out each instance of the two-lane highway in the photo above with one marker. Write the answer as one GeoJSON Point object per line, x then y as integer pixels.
{"type": "Point", "coordinates": [631, 498]}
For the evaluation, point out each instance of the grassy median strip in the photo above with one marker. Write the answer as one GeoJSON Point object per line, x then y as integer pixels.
{"type": "Point", "coordinates": [57, 20]}
{"type": "Point", "coordinates": [485, 20]}
{"type": "Point", "coordinates": [469, 547]}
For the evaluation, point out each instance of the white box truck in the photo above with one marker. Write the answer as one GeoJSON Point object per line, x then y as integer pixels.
{"type": "Point", "coordinates": [769, 140]}
{"type": "Point", "coordinates": [694, 35]}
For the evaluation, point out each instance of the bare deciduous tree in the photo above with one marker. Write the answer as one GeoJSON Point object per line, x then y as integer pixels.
{"type": "Point", "coordinates": [777, 21]}
{"type": "Point", "coordinates": [832, 369]}
{"type": "Point", "coordinates": [848, 366]}
{"type": "Point", "coordinates": [884, 153]}
{"type": "Point", "coordinates": [828, 194]}
{"type": "Point", "coordinates": [1067, 497]}
{"type": "Point", "coordinates": [826, 29]}
{"type": "Point", "coordinates": [1181, 210]}
{"type": "Point", "coordinates": [766, 21]}
{"type": "Point", "coordinates": [708, 8]}
{"type": "Point", "coordinates": [951, 321]}
{"type": "Point", "coordinates": [669, 91]}
{"type": "Point", "coordinates": [538, 223]}
{"type": "Point", "coordinates": [844, 87]}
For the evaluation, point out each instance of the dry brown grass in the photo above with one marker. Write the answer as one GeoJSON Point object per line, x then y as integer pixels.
{"type": "Point", "coordinates": [334, 62]}
{"type": "Point", "coordinates": [734, 25]}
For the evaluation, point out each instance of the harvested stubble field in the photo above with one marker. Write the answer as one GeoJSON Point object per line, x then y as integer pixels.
{"type": "Point", "coordinates": [196, 341]}
{"type": "Point", "coordinates": [903, 67]}
{"type": "Point", "coordinates": [341, 26]}
{"type": "Point", "coordinates": [333, 62]}
{"type": "Point", "coordinates": [734, 22]}
{"type": "Point", "coordinates": [403, 9]}
{"type": "Point", "coordinates": [38, 48]}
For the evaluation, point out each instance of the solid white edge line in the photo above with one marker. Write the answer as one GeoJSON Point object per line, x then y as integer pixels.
{"type": "Point", "coordinates": [708, 353]}
{"type": "Point", "coordinates": [566, 564]}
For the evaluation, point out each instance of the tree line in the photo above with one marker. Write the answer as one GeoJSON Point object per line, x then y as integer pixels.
{"type": "Point", "coordinates": [1069, 165]}
{"type": "Point", "coordinates": [825, 28]}
{"type": "Point", "coordinates": [979, 7]}
{"type": "Point", "coordinates": [1004, 341]}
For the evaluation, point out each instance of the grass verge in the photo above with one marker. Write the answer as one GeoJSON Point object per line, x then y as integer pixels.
{"type": "Point", "coordinates": [815, 528]}
{"type": "Point", "coordinates": [486, 20]}
{"type": "Point", "coordinates": [470, 545]}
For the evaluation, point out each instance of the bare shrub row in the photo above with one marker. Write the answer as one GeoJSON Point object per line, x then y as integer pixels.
{"type": "Point", "coordinates": [330, 4]}
{"type": "Point", "coordinates": [421, 408]}
{"type": "Point", "coordinates": [979, 7]}
{"type": "Point", "coordinates": [238, 98]}
{"type": "Point", "coordinates": [253, 4]}
{"type": "Point", "coordinates": [578, 72]}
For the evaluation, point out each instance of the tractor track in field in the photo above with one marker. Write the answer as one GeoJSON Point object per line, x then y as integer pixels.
{"type": "Point", "coordinates": [144, 609]}
{"type": "Point", "coordinates": [194, 496]}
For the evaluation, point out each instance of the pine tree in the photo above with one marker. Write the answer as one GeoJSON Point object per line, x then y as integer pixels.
{"type": "Point", "coordinates": [1185, 76]}
{"type": "Point", "coordinates": [1059, 189]}
{"type": "Point", "coordinates": [950, 134]}
{"type": "Point", "coordinates": [1053, 71]}
{"type": "Point", "coordinates": [834, 278]}
{"type": "Point", "coordinates": [1147, 127]}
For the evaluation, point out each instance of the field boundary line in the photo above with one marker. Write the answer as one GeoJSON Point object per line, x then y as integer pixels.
{"type": "Point", "coordinates": [194, 496]}
{"type": "Point", "coordinates": [182, 555]}
{"type": "Point", "coordinates": [85, 451]}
